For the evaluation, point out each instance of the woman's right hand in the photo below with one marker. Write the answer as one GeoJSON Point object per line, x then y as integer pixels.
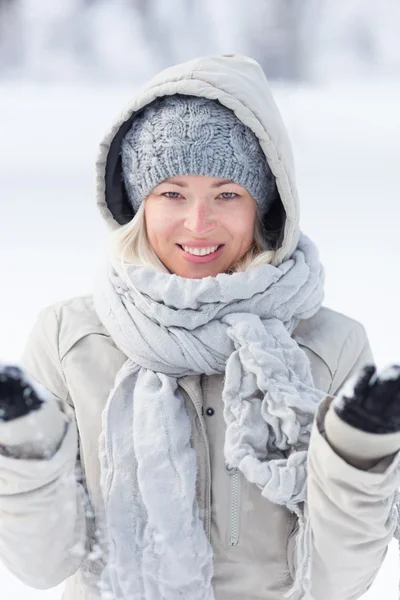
{"type": "Point", "coordinates": [32, 423]}
{"type": "Point", "coordinates": [17, 396]}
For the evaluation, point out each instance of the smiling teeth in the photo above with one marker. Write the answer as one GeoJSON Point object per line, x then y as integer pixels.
{"type": "Point", "coordinates": [200, 251]}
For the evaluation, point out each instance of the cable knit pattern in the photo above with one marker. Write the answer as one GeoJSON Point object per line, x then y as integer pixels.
{"type": "Point", "coordinates": [169, 327]}
{"type": "Point", "coordinates": [188, 135]}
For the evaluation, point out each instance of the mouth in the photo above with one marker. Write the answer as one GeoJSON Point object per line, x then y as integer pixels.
{"type": "Point", "coordinates": [194, 258]}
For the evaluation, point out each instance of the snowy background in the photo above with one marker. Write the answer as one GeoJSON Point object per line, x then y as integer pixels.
{"type": "Point", "coordinates": [68, 67]}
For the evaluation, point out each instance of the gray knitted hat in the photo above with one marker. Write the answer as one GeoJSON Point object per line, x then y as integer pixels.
{"type": "Point", "coordinates": [190, 135]}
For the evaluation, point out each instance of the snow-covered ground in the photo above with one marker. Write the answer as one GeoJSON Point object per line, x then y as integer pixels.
{"type": "Point", "coordinates": [52, 240]}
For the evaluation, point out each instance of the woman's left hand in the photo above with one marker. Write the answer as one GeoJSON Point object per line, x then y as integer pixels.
{"type": "Point", "coordinates": [373, 403]}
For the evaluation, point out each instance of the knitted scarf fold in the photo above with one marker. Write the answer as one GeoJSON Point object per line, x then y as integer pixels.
{"type": "Point", "coordinates": [168, 326]}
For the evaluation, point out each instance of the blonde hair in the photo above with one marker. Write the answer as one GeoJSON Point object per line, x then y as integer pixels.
{"type": "Point", "coordinates": [129, 245]}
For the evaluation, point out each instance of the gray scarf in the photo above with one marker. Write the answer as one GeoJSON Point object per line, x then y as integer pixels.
{"type": "Point", "coordinates": [238, 324]}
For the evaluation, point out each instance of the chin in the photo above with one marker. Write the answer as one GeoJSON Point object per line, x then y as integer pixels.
{"type": "Point", "coordinates": [198, 273]}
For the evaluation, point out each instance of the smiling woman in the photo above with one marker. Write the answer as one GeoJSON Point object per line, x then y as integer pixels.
{"type": "Point", "coordinates": [190, 436]}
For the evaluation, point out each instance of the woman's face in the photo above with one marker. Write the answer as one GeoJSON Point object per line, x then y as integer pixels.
{"type": "Point", "coordinates": [200, 213]}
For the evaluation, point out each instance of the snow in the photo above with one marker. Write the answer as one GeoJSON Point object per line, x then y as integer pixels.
{"type": "Point", "coordinates": [52, 239]}
{"type": "Point", "coordinates": [390, 374]}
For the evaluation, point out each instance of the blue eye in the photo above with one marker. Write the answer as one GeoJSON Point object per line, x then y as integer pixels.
{"type": "Point", "coordinates": [228, 195]}
{"type": "Point", "coordinates": [171, 194]}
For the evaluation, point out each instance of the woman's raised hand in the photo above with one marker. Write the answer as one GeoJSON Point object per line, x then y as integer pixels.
{"type": "Point", "coordinates": [372, 403]}
{"type": "Point", "coordinates": [17, 396]}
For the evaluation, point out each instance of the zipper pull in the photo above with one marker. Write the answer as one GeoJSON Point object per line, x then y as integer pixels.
{"type": "Point", "coordinates": [230, 470]}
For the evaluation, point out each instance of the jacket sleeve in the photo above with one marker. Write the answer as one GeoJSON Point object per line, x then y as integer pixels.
{"type": "Point", "coordinates": [44, 510]}
{"type": "Point", "coordinates": [352, 480]}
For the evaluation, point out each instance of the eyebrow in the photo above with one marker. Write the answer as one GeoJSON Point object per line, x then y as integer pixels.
{"type": "Point", "coordinates": [185, 185]}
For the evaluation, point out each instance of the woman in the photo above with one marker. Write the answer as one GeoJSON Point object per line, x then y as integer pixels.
{"type": "Point", "coordinates": [185, 431]}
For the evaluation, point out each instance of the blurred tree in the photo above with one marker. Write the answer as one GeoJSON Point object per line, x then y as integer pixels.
{"type": "Point", "coordinates": [122, 40]}
{"type": "Point", "coordinates": [11, 34]}
{"type": "Point", "coordinates": [281, 36]}
{"type": "Point", "coordinates": [156, 30]}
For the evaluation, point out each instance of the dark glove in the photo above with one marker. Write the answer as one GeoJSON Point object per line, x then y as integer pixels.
{"type": "Point", "coordinates": [17, 396]}
{"type": "Point", "coordinates": [374, 403]}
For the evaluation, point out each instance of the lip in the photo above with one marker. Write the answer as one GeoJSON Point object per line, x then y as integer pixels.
{"type": "Point", "coordinates": [201, 259]}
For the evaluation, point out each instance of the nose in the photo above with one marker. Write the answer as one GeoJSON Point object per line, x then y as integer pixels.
{"type": "Point", "coordinates": [199, 218]}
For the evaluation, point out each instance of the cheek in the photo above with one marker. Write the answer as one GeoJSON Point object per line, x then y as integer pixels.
{"type": "Point", "coordinates": [159, 224]}
{"type": "Point", "coordinates": [241, 226]}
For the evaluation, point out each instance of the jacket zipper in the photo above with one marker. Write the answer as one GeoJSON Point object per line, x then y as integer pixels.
{"type": "Point", "coordinates": [234, 505]}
